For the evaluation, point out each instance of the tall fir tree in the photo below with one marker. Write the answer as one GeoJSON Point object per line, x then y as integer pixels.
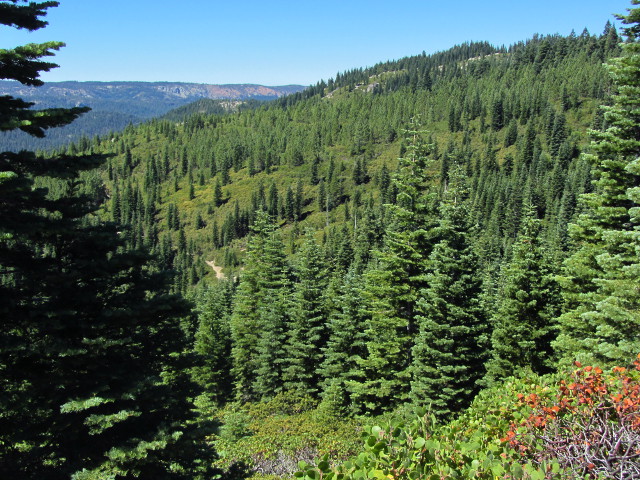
{"type": "Point", "coordinates": [451, 342]}
{"type": "Point", "coordinates": [257, 328]}
{"type": "Point", "coordinates": [601, 321]}
{"type": "Point", "coordinates": [524, 322]}
{"type": "Point", "coordinates": [393, 286]}
{"type": "Point", "coordinates": [345, 344]}
{"type": "Point", "coordinates": [92, 370]}
{"type": "Point", "coordinates": [213, 341]}
{"type": "Point", "coordinates": [275, 315]}
{"type": "Point", "coordinates": [307, 331]}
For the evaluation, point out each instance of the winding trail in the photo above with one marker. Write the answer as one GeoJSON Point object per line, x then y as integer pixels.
{"type": "Point", "coordinates": [216, 268]}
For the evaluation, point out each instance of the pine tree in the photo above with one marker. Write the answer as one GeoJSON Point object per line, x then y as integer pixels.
{"type": "Point", "coordinates": [213, 341]}
{"type": "Point", "coordinates": [345, 338]}
{"type": "Point", "coordinates": [257, 328]}
{"type": "Point", "coordinates": [289, 205]}
{"type": "Point", "coordinates": [307, 331]}
{"type": "Point", "coordinates": [93, 382]}
{"type": "Point", "coordinates": [271, 353]}
{"type": "Point", "coordinates": [528, 302]}
{"type": "Point", "coordinates": [497, 113]}
{"type": "Point", "coordinates": [272, 203]}
{"type": "Point", "coordinates": [511, 136]}
{"type": "Point", "coordinates": [452, 338]}
{"type": "Point", "coordinates": [217, 194]}
{"type": "Point", "coordinates": [275, 314]}
{"type": "Point", "coordinates": [392, 288]}
{"type": "Point", "coordinates": [602, 314]}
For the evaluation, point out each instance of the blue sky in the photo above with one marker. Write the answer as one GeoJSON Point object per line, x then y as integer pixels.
{"type": "Point", "coordinates": [283, 42]}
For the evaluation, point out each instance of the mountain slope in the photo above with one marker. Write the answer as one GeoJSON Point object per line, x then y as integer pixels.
{"type": "Point", "coordinates": [515, 118]}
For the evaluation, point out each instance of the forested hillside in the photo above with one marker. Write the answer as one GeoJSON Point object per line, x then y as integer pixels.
{"type": "Point", "coordinates": [514, 120]}
{"type": "Point", "coordinates": [369, 215]}
{"type": "Point", "coordinates": [264, 281]}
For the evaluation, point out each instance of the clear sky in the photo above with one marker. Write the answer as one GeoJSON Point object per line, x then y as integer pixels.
{"type": "Point", "coordinates": [282, 42]}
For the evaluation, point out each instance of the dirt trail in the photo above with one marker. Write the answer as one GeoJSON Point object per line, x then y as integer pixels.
{"type": "Point", "coordinates": [217, 269]}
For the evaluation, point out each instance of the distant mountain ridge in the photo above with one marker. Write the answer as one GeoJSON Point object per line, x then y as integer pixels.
{"type": "Point", "coordinates": [145, 99]}
{"type": "Point", "coordinates": [117, 104]}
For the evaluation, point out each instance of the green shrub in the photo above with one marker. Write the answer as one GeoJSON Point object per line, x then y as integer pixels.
{"type": "Point", "coordinates": [235, 426]}
{"type": "Point", "coordinates": [273, 437]}
{"type": "Point", "coordinates": [580, 424]}
{"type": "Point", "coordinates": [469, 447]}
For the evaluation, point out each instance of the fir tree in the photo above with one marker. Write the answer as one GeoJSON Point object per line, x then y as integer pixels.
{"type": "Point", "coordinates": [257, 328]}
{"type": "Point", "coordinates": [217, 194]}
{"type": "Point", "coordinates": [528, 300]}
{"type": "Point", "coordinates": [392, 288]}
{"type": "Point", "coordinates": [275, 312]}
{"type": "Point", "coordinates": [345, 344]}
{"type": "Point", "coordinates": [93, 379]}
{"type": "Point", "coordinates": [452, 338]}
{"type": "Point", "coordinates": [213, 341]}
{"type": "Point", "coordinates": [307, 331]}
{"type": "Point", "coordinates": [602, 318]}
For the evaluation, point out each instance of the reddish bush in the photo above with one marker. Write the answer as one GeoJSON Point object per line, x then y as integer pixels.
{"type": "Point", "coordinates": [591, 426]}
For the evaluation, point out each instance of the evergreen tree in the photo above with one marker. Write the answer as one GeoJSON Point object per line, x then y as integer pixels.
{"type": "Point", "coordinates": [511, 136]}
{"type": "Point", "coordinates": [257, 328]}
{"type": "Point", "coordinates": [298, 201]}
{"type": "Point", "coordinates": [345, 344]}
{"type": "Point", "coordinates": [92, 376]}
{"type": "Point", "coordinates": [213, 341]}
{"type": "Point", "coordinates": [452, 338]}
{"type": "Point", "coordinates": [497, 113]}
{"type": "Point", "coordinates": [275, 314]}
{"type": "Point", "coordinates": [272, 207]}
{"type": "Point", "coordinates": [289, 205]}
{"type": "Point", "coordinates": [528, 302]}
{"type": "Point", "coordinates": [602, 318]}
{"type": "Point", "coordinates": [384, 183]}
{"type": "Point", "coordinates": [217, 194]}
{"type": "Point", "coordinates": [392, 288]}
{"type": "Point", "coordinates": [307, 331]}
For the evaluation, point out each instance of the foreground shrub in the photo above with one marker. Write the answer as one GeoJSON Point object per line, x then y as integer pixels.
{"type": "Point", "coordinates": [591, 426]}
{"type": "Point", "coordinates": [584, 424]}
{"type": "Point", "coordinates": [272, 437]}
{"type": "Point", "coordinates": [421, 450]}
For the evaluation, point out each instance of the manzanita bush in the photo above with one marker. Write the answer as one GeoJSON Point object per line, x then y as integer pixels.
{"type": "Point", "coordinates": [422, 449]}
{"type": "Point", "coordinates": [584, 424]}
{"type": "Point", "coordinates": [591, 426]}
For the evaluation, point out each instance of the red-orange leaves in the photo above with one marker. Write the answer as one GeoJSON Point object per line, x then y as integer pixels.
{"type": "Point", "coordinates": [591, 425]}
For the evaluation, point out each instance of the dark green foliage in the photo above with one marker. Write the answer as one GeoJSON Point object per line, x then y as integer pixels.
{"type": "Point", "coordinates": [92, 364]}
{"type": "Point", "coordinates": [272, 202]}
{"type": "Point", "coordinates": [497, 113]}
{"type": "Point", "coordinates": [289, 205]}
{"type": "Point", "coordinates": [261, 311]}
{"type": "Point", "coordinates": [307, 331]}
{"type": "Point", "coordinates": [526, 307]}
{"type": "Point", "coordinates": [345, 339]}
{"type": "Point", "coordinates": [213, 341]}
{"type": "Point", "coordinates": [393, 286]}
{"type": "Point", "coordinates": [451, 341]}
{"type": "Point", "coordinates": [388, 308]}
{"type": "Point", "coordinates": [512, 134]}
{"type": "Point", "coordinates": [601, 320]}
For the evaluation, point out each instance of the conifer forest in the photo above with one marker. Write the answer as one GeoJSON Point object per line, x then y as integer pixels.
{"type": "Point", "coordinates": [424, 269]}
